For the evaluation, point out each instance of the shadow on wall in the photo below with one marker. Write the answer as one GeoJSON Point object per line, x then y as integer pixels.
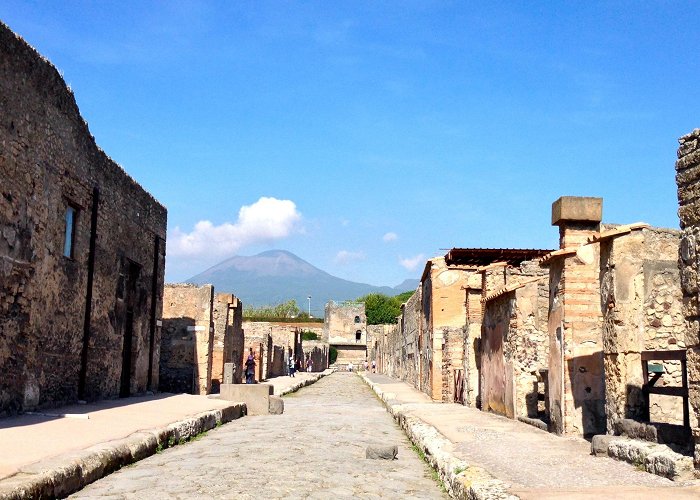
{"type": "Point", "coordinates": [634, 403]}
{"type": "Point", "coordinates": [588, 390]}
{"type": "Point", "coordinates": [178, 356]}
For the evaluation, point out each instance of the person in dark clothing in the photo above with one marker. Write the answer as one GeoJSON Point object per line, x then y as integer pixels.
{"type": "Point", "coordinates": [250, 369]}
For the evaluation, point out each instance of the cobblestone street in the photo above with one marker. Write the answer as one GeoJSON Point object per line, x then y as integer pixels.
{"type": "Point", "coordinates": [316, 449]}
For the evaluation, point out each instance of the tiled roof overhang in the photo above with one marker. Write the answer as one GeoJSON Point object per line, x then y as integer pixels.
{"type": "Point", "coordinates": [484, 256]}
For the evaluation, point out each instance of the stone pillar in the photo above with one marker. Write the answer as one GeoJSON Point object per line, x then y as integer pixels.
{"type": "Point", "coordinates": [688, 181]}
{"type": "Point", "coordinates": [187, 339]}
{"type": "Point", "coordinates": [576, 377]}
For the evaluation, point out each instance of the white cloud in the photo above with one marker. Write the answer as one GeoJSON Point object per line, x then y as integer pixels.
{"type": "Point", "coordinates": [266, 219]}
{"type": "Point", "coordinates": [411, 263]}
{"type": "Point", "coordinates": [390, 237]}
{"type": "Point", "coordinates": [345, 257]}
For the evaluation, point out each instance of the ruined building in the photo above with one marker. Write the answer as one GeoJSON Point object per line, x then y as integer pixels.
{"type": "Point", "coordinates": [82, 249]}
{"type": "Point", "coordinates": [187, 339]}
{"type": "Point", "coordinates": [514, 343]}
{"type": "Point", "coordinates": [575, 340]}
{"type": "Point", "coordinates": [202, 331]}
{"type": "Point", "coordinates": [228, 338]}
{"type": "Point", "coordinates": [614, 307]}
{"type": "Point", "coordinates": [345, 328]}
{"type": "Point", "coordinates": [688, 180]}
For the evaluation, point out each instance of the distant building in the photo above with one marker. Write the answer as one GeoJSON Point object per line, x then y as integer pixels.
{"type": "Point", "coordinates": [345, 329]}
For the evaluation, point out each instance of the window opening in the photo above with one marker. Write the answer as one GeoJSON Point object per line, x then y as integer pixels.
{"type": "Point", "coordinates": [69, 237]}
{"type": "Point", "coordinates": [358, 335]}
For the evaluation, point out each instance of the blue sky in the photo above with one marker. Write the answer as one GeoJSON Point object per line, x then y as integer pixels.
{"type": "Point", "coordinates": [368, 136]}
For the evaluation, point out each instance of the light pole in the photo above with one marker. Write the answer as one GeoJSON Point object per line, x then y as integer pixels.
{"type": "Point", "coordinates": [309, 297]}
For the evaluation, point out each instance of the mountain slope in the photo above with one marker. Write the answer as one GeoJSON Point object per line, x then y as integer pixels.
{"type": "Point", "coordinates": [277, 275]}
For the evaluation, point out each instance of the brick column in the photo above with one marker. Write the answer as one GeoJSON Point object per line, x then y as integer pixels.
{"type": "Point", "coordinates": [688, 181]}
{"type": "Point", "coordinates": [576, 376]}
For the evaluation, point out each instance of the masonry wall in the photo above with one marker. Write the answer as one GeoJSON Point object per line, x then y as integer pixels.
{"type": "Point", "coordinates": [342, 321]}
{"type": "Point", "coordinates": [641, 300]}
{"type": "Point", "coordinates": [228, 337]}
{"type": "Point", "coordinates": [187, 339]}
{"type": "Point", "coordinates": [387, 348]}
{"type": "Point", "coordinates": [317, 351]}
{"type": "Point", "coordinates": [409, 337]}
{"type": "Point", "coordinates": [515, 343]}
{"type": "Point", "coordinates": [576, 375]}
{"type": "Point", "coordinates": [472, 343]}
{"type": "Point", "coordinates": [69, 333]}
{"type": "Point", "coordinates": [688, 181]}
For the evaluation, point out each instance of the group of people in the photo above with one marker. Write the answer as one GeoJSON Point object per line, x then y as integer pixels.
{"type": "Point", "coordinates": [295, 365]}
{"type": "Point", "coordinates": [350, 367]}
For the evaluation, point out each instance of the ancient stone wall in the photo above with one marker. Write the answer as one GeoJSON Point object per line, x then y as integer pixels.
{"type": "Point", "coordinates": [388, 348]}
{"type": "Point", "coordinates": [317, 351]}
{"type": "Point", "coordinates": [688, 181]}
{"type": "Point", "coordinates": [187, 339]}
{"type": "Point", "coordinates": [345, 324]}
{"type": "Point", "coordinates": [515, 341]}
{"type": "Point", "coordinates": [642, 311]}
{"type": "Point", "coordinates": [453, 363]}
{"type": "Point", "coordinates": [409, 336]}
{"type": "Point", "coordinates": [431, 343]}
{"type": "Point", "coordinates": [472, 343]}
{"type": "Point", "coordinates": [228, 337]}
{"type": "Point", "coordinates": [576, 375]}
{"type": "Point", "coordinates": [81, 250]}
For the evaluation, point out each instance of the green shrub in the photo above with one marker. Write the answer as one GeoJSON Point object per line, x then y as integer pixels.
{"type": "Point", "coordinates": [308, 335]}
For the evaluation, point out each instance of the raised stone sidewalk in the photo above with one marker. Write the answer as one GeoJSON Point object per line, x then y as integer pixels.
{"type": "Point", "coordinates": [56, 452]}
{"type": "Point", "coordinates": [479, 455]}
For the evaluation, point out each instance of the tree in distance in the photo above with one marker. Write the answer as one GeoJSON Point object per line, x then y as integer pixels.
{"type": "Point", "coordinates": [286, 311]}
{"type": "Point", "coordinates": [382, 309]}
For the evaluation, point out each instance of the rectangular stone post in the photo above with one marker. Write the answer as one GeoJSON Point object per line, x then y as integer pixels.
{"type": "Point", "coordinates": [576, 376]}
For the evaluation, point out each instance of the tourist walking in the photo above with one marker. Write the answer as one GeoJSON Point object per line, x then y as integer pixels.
{"type": "Point", "coordinates": [310, 365]}
{"type": "Point", "coordinates": [292, 368]}
{"type": "Point", "coordinates": [374, 366]}
{"type": "Point", "coordinates": [250, 368]}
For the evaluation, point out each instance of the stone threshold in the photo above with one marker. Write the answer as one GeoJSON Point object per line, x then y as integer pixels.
{"type": "Point", "coordinates": [59, 476]}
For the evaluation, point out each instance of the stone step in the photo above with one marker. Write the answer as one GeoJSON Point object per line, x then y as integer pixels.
{"type": "Point", "coordinates": [661, 433]}
{"type": "Point", "coordinates": [654, 458]}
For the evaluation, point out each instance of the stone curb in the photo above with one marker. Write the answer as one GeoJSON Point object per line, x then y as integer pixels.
{"type": "Point", "coordinates": [65, 474]}
{"type": "Point", "coordinates": [654, 458]}
{"type": "Point", "coordinates": [460, 479]}
{"type": "Point", "coordinates": [316, 376]}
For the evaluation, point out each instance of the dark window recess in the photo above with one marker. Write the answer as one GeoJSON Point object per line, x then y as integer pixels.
{"type": "Point", "coordinates": [121, 281]}
{"type": "Point", "coordinates": [358, 335]}
{"type": "Point", "coordinates": [357, 319]}
{"type": "Point", "coordinates": [69, 237]}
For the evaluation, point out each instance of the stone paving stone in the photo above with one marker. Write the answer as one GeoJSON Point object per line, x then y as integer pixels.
{"type": "Point", "coordinates": [316, 449]}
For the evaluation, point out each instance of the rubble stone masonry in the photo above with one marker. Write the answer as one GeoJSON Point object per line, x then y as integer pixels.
{"type": "Point", "coordinates": [228, 338]}
{"type": "Point", "coordinates": [82, 250]}
{"type": "Point", "coordinates": [345, 328]}
{"type": "Point", "coordinates": [688, 181]}
{"type": "Point", "coordinates": [188, 339]}
{"type": "Point", "coordinates": [641, 300]}
{"type": "Point", "coordinates": [515, 341]}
